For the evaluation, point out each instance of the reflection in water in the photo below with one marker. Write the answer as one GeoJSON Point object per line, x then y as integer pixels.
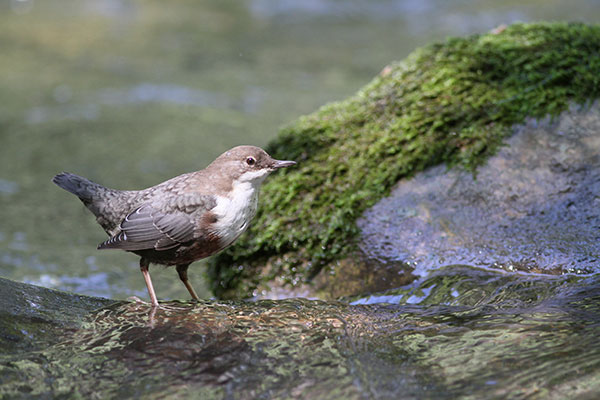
{"type": "Point", "coordinates": [502, 336]}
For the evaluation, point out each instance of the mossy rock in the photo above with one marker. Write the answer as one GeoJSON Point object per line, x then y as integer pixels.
{"type": "Point", "coordinates": [451, 102]}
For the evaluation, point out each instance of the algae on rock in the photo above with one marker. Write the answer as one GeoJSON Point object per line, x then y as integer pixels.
{"type": "Point", "coordinates": [463, 333]}
{"type": "Point", "coordinates": [452, 102]}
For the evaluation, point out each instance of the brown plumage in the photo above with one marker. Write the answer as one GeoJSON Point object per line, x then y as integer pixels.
{"type": "Point", "coordinates": [184, 219]}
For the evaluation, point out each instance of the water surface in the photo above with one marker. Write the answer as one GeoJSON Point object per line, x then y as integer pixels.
{"type": "Point", "coordinates": [462, 333]}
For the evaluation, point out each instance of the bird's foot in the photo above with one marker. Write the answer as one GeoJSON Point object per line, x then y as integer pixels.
{"type": "Point", "coordinates": [137, 300]}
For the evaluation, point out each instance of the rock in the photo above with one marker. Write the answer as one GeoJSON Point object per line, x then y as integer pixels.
{"type": "Point", "coordinates": [532, 207]}
{"type": "Point", "coordinates": [461, 333]}
{"type": "Point", "coordinates": [32, 316]}
{"type": "Point", "coordinates": [448, 104]}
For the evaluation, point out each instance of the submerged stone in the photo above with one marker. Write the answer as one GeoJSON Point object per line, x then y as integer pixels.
{"type": "Point", "coordinates": [462, 333]}
{"type": "Point", "coordinates": [32, 316]}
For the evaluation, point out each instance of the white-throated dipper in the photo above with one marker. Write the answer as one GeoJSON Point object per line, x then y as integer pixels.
{"type": "Point", "coordinates": [184, 219]}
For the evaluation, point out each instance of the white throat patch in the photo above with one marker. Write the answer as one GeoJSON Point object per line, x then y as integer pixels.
{"type": "Point", "coordinates": [235, 212]}
{"type": "Point", "coordinates": [254, 176]}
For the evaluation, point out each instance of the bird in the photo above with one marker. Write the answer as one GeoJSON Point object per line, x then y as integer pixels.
{"type": "Point", "coordinates": [181, 220]}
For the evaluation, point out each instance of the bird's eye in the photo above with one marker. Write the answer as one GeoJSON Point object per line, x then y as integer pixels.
{"type": "Point", "coordinates": [250, 161]}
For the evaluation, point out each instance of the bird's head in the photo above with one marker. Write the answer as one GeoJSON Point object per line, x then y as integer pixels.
{"type": "Point", "coordinates": [248, 164]}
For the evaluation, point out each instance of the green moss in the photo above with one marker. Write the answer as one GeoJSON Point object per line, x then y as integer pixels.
{"type": "Point", "coordinates": [451, 103]}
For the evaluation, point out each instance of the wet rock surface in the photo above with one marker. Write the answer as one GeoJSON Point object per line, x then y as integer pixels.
{"type": "Point", "coordinates": [33, 316]}
{"type": "Point", "coordinates": [462, 333]}
{"type": "Point", "coordinates": [532, 207]}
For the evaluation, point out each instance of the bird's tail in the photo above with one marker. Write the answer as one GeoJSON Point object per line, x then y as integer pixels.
{"type": "Point", "coordinates": [81, 187]}
{"type": "Point", "coordinates": [108, 205]}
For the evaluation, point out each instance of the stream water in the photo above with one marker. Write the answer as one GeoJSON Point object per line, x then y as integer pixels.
{"type": "Point", "coordinates": [462, 333]}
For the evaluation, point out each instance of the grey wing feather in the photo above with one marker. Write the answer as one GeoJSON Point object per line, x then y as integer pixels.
{"type": "Point", "coordinates": [177, 228]}
{"type": "Point", "coordinates": [147, 228]}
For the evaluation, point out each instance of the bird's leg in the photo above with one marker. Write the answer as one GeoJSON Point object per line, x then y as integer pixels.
{"type": "Point", "coordinates": [144, 264]}
{"type": "Point", "coordinates": [182, 271]}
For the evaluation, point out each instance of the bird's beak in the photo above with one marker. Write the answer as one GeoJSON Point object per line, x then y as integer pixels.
{"type": "Point", "coordinates": [282, 164]}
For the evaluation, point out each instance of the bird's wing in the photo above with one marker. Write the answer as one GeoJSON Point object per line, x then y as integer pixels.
{"type": "Point", "coordinates": [147, 227]}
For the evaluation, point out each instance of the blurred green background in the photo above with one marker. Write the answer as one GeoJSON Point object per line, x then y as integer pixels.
{"type": "Point", "coordinates": [131, 93]}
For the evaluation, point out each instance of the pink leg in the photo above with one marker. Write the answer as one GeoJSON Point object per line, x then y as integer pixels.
{"type": "Point", "coordinates": [182, 271]}
{"type": "Point", "coordinates": [144, 264]}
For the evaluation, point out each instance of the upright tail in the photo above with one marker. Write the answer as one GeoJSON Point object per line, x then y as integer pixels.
{"type": "Point", "coordinates": [81, 187]}
{"type": "Point", "coordinates": [109, 206]}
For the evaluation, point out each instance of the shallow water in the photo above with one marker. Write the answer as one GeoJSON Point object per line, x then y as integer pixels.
{"type": "Point", "coordinates": [462, 333]}
{"type": "Point", "coordinates": [131, 93]}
